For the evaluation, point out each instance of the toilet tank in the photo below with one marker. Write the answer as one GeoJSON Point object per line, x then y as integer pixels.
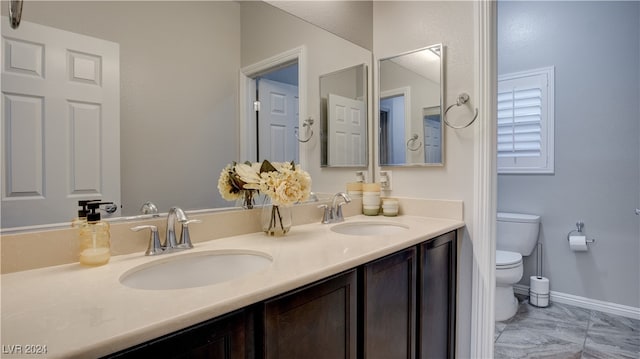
{"type": "Point", "coordinates": [517, 232]}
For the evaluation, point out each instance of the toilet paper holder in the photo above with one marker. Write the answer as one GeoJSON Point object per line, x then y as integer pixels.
{"type": "Point", "coordinates": [579, 226]}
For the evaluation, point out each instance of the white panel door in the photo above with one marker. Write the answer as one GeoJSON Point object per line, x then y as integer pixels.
{"type": "Point", "coordinates": [60, 123]}
{"type": "Point", "coordinates": [432, 141]}
{"type": "Point", "coordinates": [347, 128]}
{"type": "Point", "coordinates": [277, 121]}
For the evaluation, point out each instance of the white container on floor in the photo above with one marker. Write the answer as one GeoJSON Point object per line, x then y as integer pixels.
{"type": "Point", "coordinates": [539, 291]}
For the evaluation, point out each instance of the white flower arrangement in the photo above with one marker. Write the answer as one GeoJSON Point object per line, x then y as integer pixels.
{"type": "Point", "coordinates": [230, 185]}
{"type": "Point", "coordinates": [284, 182]}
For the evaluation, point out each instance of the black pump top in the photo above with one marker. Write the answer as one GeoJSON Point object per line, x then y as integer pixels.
{"type": "Point", "coordinates": [82, 213]}
{"type": "Point", "coordinates": [94, 216]}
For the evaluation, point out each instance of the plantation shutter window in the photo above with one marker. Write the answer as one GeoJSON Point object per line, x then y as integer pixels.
{"type": "Point", "coordinates": [525, 122]}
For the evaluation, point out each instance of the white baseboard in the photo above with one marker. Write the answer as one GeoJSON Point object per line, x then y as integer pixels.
{"type": "Point", "coordinates": [586, 303]}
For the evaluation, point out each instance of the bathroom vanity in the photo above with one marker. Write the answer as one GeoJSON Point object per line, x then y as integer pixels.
{"type": "Point", "coordinates": [398, 306]}
{"type": "Point", "coordinates": [329, 289]}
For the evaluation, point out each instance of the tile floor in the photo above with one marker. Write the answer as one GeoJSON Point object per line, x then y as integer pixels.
{"type": "Point", "coordinates": [562, 331]}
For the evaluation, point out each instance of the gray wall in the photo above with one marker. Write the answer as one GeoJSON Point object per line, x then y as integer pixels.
{"type": "Point", "coordinates": [351, 20]}
{"type": "Point", "coordinates": [595, 48]}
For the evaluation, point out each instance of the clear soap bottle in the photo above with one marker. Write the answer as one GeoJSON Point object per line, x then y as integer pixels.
{"type": "Point", "coordinates": [95, 239]}
{"type": "Point", "coordinates": [81, 220]}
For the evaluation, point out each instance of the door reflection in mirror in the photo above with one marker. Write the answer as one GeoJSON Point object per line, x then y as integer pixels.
{"type": "Point", "coordinates": [432, 122]}
{"type": "Point", "coordinates": [410, 100]}
{"type": "Point", "coordinates": [343, 117]}
{"type": "Point", "coordinates": [395, 107]}
{"type": "Point", "coordinates": [276, 115]}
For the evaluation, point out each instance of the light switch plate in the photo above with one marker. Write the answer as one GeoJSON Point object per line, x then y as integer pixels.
{"type": "Point", "coordinates": [385, 180]}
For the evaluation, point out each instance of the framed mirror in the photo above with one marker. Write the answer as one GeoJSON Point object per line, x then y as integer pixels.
{"type": "Point", "coordinates": [178, 96]}
{"type": "Point", "coordinates": [411, 130]}
{"type": "Point", "coordinates": [343, 117]}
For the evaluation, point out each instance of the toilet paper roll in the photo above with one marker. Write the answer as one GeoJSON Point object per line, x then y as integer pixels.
{"type": "Point", "coordinates": [578, 243]}
{"type": "Point", "coordinates": [539, 291]}
{"type": "Point", "coordinates": [539, 285]}
{"type": "Point", "coordinates": [539, 300]}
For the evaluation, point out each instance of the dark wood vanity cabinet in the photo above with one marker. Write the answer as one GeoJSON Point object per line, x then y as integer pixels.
{"type": "Point", "coordinates": [408, 302]}
{"type": "Point", "coordinates": [389, 306]}
{"type": "Point", "coordinates": [398, 306]}
{"type": "Point", "coordinates": [225, 337]}
{"type": "Point", "coordinates": [437, 297]}
{"type": "Point", "coordinates": [317, 321]}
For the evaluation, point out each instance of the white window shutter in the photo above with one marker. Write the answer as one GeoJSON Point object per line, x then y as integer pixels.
{"type": "Point", "coordinates": [525, 122]}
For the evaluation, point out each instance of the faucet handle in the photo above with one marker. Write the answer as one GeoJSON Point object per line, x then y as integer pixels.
{"type": "Point", "coordinates": [326, 216]}
{"type": "Point", "coordinates": [154, 247]}
{"type": "Point", "coordinates": [185, 238]}
{"type": "Point", "coordinates": [339, 217]}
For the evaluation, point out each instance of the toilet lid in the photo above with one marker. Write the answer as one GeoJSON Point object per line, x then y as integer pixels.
{"type": "Point", "coordinates": [505, 258]}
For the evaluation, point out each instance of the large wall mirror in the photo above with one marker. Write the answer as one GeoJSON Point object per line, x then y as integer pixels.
{"type": "Point", "coordinates": [343, 117]}
{"type": "Point", "coordinates": [411, 130]}
{"type": "Point", "coordinates": [178, 93]}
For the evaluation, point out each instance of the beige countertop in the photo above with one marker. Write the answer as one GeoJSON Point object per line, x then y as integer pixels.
{"type": "Point", "coordinates": [79, 311]}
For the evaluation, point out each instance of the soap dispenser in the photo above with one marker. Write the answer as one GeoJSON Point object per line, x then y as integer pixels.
{"type": "Point", "coordinates": [81, 220]}
{"type": "Point", "coordinates": [95, 239]}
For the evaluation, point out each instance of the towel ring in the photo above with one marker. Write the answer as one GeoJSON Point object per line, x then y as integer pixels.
{"type": "Point", "coordinates": [462, 99]}
{"type": "Point", "coordinates": [413, 139]}
{"type": "Point", "coordinates": [307, 123]}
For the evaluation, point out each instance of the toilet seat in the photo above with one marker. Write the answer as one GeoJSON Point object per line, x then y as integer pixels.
{"type": "Point", "coordinates": [507, 260]}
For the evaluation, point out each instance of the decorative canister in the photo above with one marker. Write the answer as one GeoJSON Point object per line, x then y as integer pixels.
{"type": "Point", "coordinates": [371, 199]}
{"type": "Point", "coordinates": [354, 189]}
{"type": "Point", "coordinates": [390, 207]}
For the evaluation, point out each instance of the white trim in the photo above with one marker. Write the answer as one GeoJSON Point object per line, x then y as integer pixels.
{"type": "Point", "coordinates": [586, 303]}
{"type": "Point", "coordinates": [246, 73]}
{"type": "Point", "coordinates": [485, 174]}
{"type": "Point", "coordinates": [245, 84]}
{"type": "Point", "coordinates": [405, 92]}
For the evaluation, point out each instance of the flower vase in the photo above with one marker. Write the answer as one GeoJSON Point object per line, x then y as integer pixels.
{"type": "Point", "coordinates": [247, 200]}
{"type": "Point", "coordinates": [276, 219]}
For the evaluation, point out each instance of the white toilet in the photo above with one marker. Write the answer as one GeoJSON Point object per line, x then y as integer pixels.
{"type": "Point", "coordinates": [516, 236]}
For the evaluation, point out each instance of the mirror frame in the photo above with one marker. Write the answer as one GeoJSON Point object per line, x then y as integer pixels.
{"type": "Point", "coordinates": [442, 94]}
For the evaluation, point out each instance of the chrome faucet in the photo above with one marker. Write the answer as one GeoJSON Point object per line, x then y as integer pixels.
{"type": "Point", "coordinates": [177, 214]}
{"type": "Point", "coordinates": [333, 214]}
{"type": "Point", "coordinates": [170, 244]}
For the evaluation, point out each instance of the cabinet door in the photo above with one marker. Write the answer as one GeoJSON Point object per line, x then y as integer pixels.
{"type": "Point", "coordinates": [220, 338]}
{"type": "Point", "coordinates": [437, 296]}
{"type": "Point", "coordinates": [389, 306]}
{"type": "Point", "coordinates": [318, 321]}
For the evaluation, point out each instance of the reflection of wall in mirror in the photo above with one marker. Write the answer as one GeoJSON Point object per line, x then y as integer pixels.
{"type": "Point", "coordinates": [265, 33]}
{"type": "Point", "coordinates": [424, 93]}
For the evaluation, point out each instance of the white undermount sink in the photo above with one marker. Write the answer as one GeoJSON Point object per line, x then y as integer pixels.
{"type": "Point", "coordinates": [199, 269]}
{"type": "Point", "coordinates": [369, 228]}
